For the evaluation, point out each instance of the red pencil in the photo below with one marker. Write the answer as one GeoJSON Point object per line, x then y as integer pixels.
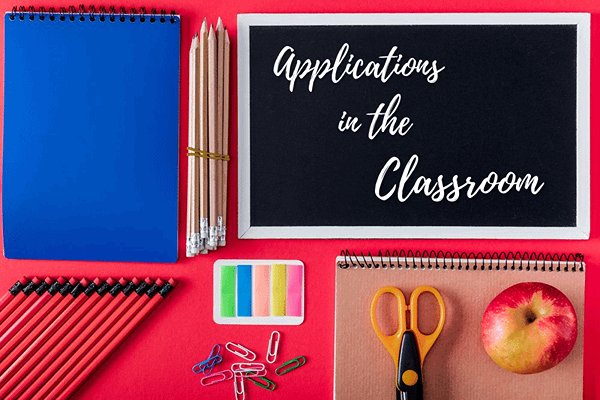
{"type": "Point", "coordinates": [8, 311]}
{"type": "Point", "coordinates": [78, 335]}
{"type": "Point", "coordinates": [103, 349]}
{"type": "Point", "coordinates": [86, 339]}
{"type": "Point", "coordinates": [32, 330]}
{"type": "Point", "coordinates": [25, 305]}
{"type": "Point", "coordinates": [12, 292]}
{"type": "Point", "coordinates": [39, 360]}
{"type": "Point", "coordinates": [32, 316]}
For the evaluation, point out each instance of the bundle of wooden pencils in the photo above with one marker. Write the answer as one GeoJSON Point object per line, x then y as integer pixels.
{"type": "Point", "coordinates": [208, 140]}
{"type": "Point", "coordinates": [54, 333]}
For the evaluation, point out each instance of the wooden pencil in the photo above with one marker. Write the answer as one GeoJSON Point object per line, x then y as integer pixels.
{"type": "Point", "coordinates": [38, 364]}
{"type": "Point", "coordinates": [212, 138]}
{"type": "Point", "coordinates": [13, 292]}
{"type": "Point", "coordinates": [104, 331]}
{"type": "Point", "coordinates": [199, 245]}
{"type": "Point", "coordinates": [203, 140]}
{"type": "Point", "coordinates": [189, 252]}
{"type": "Point", "coordinates": [220, 76]}
{"type": "Point", "coordinates": [66, 352]}
{"type": "Point", "coordinates": [226, 61]}
{"type": "Point", "coordinates": [103, 349]}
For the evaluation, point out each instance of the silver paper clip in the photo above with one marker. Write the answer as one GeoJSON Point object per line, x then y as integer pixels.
{"type": "Point", "coordinates": [247, 355]}
{"type": "Point", "coordinates": [273, 352]}
{"type": "Point", "coordinates": [239, 391]}
{"type": "Point", "coordinates": [245, 367]}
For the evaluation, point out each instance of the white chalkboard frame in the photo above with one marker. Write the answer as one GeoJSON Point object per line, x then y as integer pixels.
{"type": "Point", "coordinates": [582, 229]}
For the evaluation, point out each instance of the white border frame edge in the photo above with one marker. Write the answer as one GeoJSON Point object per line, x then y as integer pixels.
{"type": "Point", "coordinates": [581, 231]}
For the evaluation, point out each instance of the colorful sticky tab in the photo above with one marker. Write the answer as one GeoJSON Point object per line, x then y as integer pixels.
{"type": "Point", "coordinates": [228, 291]}
{"type": "Point", "coordinates": [293, 301]}
{"type": "Point", "coordinates": [244, 290]}
{"type": "Point", "coordinates": [258, 292]}
{"type": "Point", "coordinates": [261, 289]}
{"type": "Point", "coordinates": [278, 289]}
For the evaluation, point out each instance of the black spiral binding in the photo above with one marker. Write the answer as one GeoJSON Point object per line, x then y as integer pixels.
{"type": "Point", "coordinates": [463, 261]}
{"type": "Point", "coordinates": [82, 14]}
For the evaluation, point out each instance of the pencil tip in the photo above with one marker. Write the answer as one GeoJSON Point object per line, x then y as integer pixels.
{"type": "Point", "coordinates": [219, 23]}
{"type": "Point", "coordinates": [203, 28]}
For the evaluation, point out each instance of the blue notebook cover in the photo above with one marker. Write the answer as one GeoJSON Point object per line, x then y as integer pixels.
{"type": "Point", "coordinates": [91, 138]}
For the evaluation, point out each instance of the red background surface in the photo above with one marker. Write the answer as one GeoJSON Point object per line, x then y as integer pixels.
{"type": "Point", "coordinates": [155, 362]}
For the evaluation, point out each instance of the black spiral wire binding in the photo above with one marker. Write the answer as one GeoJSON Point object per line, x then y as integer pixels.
{"type": "Point", "coordinates": [407, 260]}
{"type": "Point", "coordinates": [72, 13]}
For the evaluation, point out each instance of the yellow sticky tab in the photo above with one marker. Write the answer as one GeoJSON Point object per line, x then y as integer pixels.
{"type": "Point", "coordinates": [278, 290]}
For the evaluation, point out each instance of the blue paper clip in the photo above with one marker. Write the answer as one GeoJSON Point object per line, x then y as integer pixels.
{"type": "Point", "coordinates": [207, 365]}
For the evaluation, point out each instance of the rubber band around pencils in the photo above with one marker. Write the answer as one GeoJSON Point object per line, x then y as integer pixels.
{"type": "Point", "coordinates": [192, 152]}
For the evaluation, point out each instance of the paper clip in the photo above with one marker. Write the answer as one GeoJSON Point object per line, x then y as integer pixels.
{"type": "Point", "coordinates": [238, 391]}
{"type": "Point", "coordinates": [269, 385]}
{"type": "Point", "coordinates": [246, 355]}
{"type": "Point", "coordinates": [211, 379]}
{"type": "Point", "coordinates": [207, 365]}
{"type": "Point", "coordinates": [270, 351]}
{"type": "Point", "coordinates": [247, 374]}
{"type": "Point", "coordinates": [244, 367]}
{"type": "Point", "coordinates": [300, 361]}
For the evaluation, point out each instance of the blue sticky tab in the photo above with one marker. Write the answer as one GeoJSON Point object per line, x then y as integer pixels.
{"type": "Point", "coordinates": [244, 290]}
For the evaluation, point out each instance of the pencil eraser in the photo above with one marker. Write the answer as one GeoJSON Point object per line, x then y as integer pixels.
{"type": "Point", "coordinates": [24, 280]}
{"type": "Point", "coordinates": [110, 281]}
{"type": "Point", "coordinates": [159, 282]}
{"type": "Point", "coordinates": [122, 281]}
{"type": "Point", "coordinates": [73, 281]}
{"type": "Point", "coordinates": [36, 280]}
{"type": "Point", "coordinates": [49, 280]}
{"type": "Point", "coordinates": [173, 282]}
{"type": "Point", "coordinates": [97, 281]}
{"type": "Point", "coordinates": [61, 280]}
{"type": "Point", "coordinates": [135, 281]}
{"type": "Point", "coordinates": [148, 281]}
{"type": "Point", "coordinates": [84, 282]}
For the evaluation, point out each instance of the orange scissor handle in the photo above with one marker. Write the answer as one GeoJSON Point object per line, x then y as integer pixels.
{"type": "Point", "coordinates": [425, 341]}
{"type": "Point", "coordinates": [393, 341]}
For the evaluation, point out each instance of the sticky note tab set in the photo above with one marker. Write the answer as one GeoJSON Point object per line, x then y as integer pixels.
{"type": "Point", "coordinates": [258, 292]}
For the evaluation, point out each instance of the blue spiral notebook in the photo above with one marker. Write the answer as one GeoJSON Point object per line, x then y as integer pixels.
{"type": "Point", "coordinates": [91, 135]}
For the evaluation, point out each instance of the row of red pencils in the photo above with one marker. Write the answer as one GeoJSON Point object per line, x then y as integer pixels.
{"type": "Point", "coordinates": [54, 333]}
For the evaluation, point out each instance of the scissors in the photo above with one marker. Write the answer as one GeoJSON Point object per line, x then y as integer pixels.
{"type": "Point", "coordinates": [408, 346]}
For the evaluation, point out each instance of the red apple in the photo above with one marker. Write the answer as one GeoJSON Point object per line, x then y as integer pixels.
{"type": "Point", "coordinates": [529, 327]}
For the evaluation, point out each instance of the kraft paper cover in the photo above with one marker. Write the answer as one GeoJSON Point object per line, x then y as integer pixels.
{"type": "Point", "coordinates": [457, 367]}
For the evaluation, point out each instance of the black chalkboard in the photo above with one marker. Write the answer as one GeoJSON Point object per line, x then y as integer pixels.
{"type": "Point", "coordinates": [473, 100]}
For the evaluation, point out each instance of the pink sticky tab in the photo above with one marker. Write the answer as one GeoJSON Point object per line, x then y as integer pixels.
{"type": "Point", "coordinates": [294, 291]}
{"type": "Point", "coordinates": [260, 290]}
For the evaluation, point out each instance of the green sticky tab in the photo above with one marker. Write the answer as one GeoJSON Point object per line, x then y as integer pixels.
{"type": "Point", "coordinates": [227, 291]}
